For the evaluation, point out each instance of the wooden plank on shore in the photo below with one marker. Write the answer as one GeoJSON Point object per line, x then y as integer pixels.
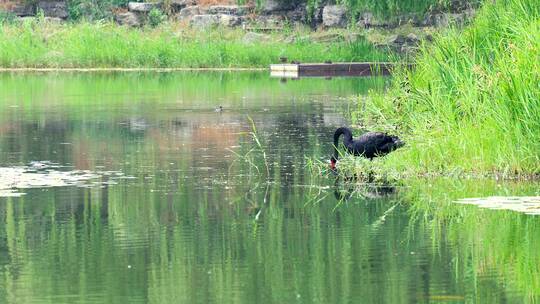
{"type": "Point", "coordinates": [333, 69]}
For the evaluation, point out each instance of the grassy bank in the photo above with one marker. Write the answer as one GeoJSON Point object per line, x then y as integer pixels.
{"type": "Point", "coordinates": [87, 45]}
{"type": "Point", "coordinates": [473, 102]}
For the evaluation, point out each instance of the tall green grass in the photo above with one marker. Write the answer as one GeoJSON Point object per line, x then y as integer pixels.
{"type": "Point", "coordinates": [472, 104]}
{"type": "Point", "coordinates": [90, 45]}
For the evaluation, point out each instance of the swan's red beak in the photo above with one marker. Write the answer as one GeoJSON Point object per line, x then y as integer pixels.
{"type": "Point", "coordinates": [333, 164]}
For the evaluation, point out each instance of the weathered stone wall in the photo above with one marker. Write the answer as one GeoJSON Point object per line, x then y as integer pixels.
{"type": "Point", "coordinates": [272, 15]}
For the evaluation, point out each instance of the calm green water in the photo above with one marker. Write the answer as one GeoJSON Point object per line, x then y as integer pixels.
{"type": "Point", "coordinates": [193, 221]}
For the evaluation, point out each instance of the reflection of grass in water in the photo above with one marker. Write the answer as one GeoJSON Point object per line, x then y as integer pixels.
{"type": "Point", "coordinates": [186, 243]}
{"type": "Point", "coordinates": [483, 240]}
{"type": "Point", "coordinates": [82, 95]}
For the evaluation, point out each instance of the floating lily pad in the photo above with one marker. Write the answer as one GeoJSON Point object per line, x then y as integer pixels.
{"type": "Point", "coordinates": [46, 175]}
{"type": "Point", "coordinates": [524, 204]}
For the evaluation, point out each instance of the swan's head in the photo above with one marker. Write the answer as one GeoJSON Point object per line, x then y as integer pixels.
{"type": "Point", "coordinates": [333, 161]}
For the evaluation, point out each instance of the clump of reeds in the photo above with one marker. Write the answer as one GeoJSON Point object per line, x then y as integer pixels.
{"type": "Point", "coordinates": [357, 169]}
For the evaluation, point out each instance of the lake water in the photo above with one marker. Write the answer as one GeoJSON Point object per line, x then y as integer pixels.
{"type": "Point", "coordinates": [181, 205]}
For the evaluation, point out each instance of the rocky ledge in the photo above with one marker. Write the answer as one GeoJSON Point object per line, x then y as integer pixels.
{"type": "Point", "coordinates": [273, 13]}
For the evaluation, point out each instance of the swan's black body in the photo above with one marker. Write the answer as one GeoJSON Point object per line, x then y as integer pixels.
{"type": "Point", "coordinates": [369, 145]}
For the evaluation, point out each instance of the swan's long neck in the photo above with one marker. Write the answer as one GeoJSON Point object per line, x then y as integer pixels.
{"type": "Point", "coordinates": [347, 139]}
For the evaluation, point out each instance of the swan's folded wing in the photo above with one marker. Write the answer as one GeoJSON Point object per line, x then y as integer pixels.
{"type": "Point", "coordinates": [375, 139]}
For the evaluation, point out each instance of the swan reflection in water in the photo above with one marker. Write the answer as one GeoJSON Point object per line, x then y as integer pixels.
{"type": "Point", "coordinates": [350, 187]}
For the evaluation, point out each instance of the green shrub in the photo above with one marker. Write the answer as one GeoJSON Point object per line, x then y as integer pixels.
{"type": "Point", "coordinates": [155, 17]}
{"type": "Point", "coordinates": [90, 10]}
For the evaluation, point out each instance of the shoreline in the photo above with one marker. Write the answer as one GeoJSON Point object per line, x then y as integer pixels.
{"type": "Point", "coordinates": [156, 70]}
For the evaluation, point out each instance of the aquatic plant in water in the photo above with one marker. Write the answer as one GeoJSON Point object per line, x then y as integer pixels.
{"type": "Point", "coordinates": [524, 204]}
{"type": "Point", "coordinates": [46, 175]}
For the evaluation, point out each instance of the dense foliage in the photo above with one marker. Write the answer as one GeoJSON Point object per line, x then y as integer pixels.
{"type": "Point", "coordinates": [473, 101]}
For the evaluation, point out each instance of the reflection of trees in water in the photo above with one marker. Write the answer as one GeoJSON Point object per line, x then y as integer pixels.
{"type": "Point", "coordinates": [88, 144]}
{"type": "Point", "coordinates": [32, 139]}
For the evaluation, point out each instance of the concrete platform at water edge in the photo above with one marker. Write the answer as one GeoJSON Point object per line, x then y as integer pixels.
{"type": "Point", "coordinates": [295, 70]}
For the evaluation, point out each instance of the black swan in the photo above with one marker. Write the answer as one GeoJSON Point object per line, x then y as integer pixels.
{"type": "Point", "coordinates": [369, 145]}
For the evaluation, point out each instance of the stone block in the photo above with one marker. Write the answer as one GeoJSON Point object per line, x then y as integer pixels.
{"type": "Point", "coordinates": [335, 16]}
